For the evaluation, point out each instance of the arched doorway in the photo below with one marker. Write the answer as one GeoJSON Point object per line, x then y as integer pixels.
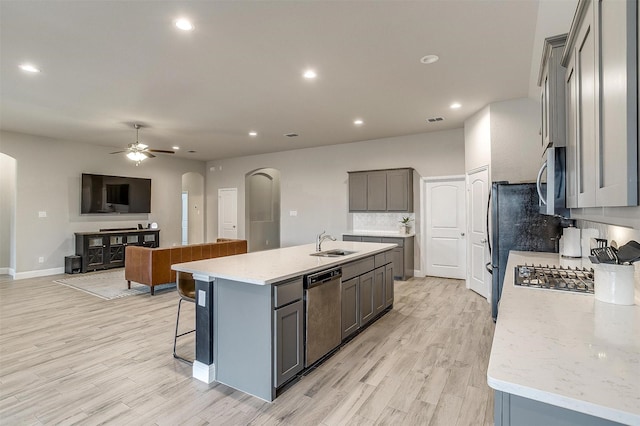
{"type": "Point", "coordinates": [7, 215]}
{"type": "Point", "coordinates": [262, 209]}
{"type": "Point", "coordinates": [192, 222]}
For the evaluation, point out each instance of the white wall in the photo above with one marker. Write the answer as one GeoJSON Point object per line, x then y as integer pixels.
{"type": "Point", "coordinates": [193, 183]}
{"type": "Point", "coordinates": [314, 180]}
{"type": "Point", "coordinates": [48, 179]}
{"type": "Point", "coordinates": [477, 140]}
{"type": "Point", "coordinates": [516, 151]}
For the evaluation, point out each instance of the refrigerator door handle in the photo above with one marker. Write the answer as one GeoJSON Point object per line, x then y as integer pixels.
{"type": "Point", "coordinates": [543, 199]}
{"type": "Point", "coordinates": [489, 267]}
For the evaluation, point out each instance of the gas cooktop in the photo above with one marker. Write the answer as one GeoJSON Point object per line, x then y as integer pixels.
{"type": "Point", "coordinates": [554, 278]}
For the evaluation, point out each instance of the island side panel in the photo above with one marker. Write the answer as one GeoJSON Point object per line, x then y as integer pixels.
{"type": "Point", "coordinates": [243, 337]}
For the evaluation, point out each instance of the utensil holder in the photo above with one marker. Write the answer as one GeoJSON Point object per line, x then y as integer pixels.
{"type": "Point", "coordinates": [614, 283]}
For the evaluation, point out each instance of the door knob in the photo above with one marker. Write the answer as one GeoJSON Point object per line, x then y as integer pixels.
{"type": "Point", "coordinates": [462, 234]}
{"type": "Point", "coordinates": [483, 240]}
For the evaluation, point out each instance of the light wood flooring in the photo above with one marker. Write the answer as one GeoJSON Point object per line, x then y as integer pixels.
{"type": "Point", "coordinates": [67, 357]}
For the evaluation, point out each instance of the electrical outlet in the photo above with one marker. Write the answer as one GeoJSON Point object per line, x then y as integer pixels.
{"type": "Point", "coordinates": [41, 259]}
{"type": "Point", "coordinates": [42, 214]}
{"type": "Point", "coordinates": [266, 242]}
{"type": "Point", "coordinates": [293, 212]}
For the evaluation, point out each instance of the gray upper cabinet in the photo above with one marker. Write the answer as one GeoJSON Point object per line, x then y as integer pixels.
{"type": "Point", "coordinates": [601, 83]}
{"type": "Point", "coordinates": [376, 191]}
{"type": "Point", "coordinates": [381, 190]}
{"type": "Point", "coordinates": [551, 80]}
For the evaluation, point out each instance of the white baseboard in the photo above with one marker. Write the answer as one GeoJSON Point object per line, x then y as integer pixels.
{"type": "Point", "coordinates": [38, 273]}
{"type": "Point", "coordinates": [418, 273]}
{"type": "Point", "coordinates": [203, 372]}
{"type": "Point", "coordinates": [6, 271]}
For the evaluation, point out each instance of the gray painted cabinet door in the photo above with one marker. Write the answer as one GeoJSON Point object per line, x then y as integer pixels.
{"type": "Point", "coordinates": [358, 191]}
{"type": "Point", "coordinates": [367, 311]}
{"type": "Point", "coordinates": [378, 290]}
{"type": "Point", "coordinates": [397, 255]}
{"type": "Point", "coordinates": [388, 285]}
{"type": "Point", "coordinates": [288, 343]}
{"type": "Point", "coordinates": [399, 193]}
{"type": "Point", "coordinates": [350, 300]}
{"type": "Point", "coordinates": [377, 191]}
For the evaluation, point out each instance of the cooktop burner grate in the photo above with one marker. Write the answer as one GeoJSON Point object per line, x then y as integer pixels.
{"type": "Point", "coordinates": [554, 278]}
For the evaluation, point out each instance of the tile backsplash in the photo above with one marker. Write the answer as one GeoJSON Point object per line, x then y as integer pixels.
{"type": "Point", "coordinates": [620, 234]}
{"type": "Point", "coordinates": [380, 222]}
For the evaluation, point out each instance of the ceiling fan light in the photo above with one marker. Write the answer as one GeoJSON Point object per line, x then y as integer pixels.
{"type": "Point", "coordinates": [136, 156]}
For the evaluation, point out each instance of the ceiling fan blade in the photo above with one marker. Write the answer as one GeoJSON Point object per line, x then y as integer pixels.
{"type": "Point", "coordinates": [148, 154]}
{"type": "Point", "coordinates": [119, 152]}
{"type": "Point", "coordinates": [162, 151]}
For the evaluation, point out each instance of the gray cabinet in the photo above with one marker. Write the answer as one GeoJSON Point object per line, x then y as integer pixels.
{"type": "Point", "coordinates": [551, 80]}
{"type": "Point", "coordinates": [381, 190]}
{"type": "Point", "coordinates": [601, 60]}
{"type": "Point", "coordinates": [388, 285]}
{"type": "Point", "coordinates": [350, 307]}
{"type": "Point", "coordinates": [401, 256]}
{"type": "Point", "coordinates": [288, 332]}
{"type": "Point", "coordinates": [378, 290]}
{"type": "Point", "coordinates": [515, 410]}
{"type": "Point", "coordinates": [367, 309]}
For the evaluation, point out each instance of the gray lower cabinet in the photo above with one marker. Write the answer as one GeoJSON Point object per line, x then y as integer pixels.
{"type": "Point", "coordinates": [515, 410]}
{"type": "Point", "coordinates": [402, 256]}
{"type": "Point", "coordinates": [288, 334]}
{"type": "Point", "coordinates": [367, 309]}
{"type": "Point", "coordinates": [388, 285]}
{"type": "Point", "coordinates": [378, 290]}
{"type": "Point", "coordinates": [350, 307]}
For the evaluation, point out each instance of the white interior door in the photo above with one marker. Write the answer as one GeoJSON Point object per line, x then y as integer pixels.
{"type": "Point", "coordinates": [228, 213]}
{"type": "Point", "coordinates": [478, 279]}
{"type": "Point", "coordinates": [445, 228]}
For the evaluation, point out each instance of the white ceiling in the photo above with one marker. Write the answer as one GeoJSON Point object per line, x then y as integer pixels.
{"type": "Point", "coordinates": [105, 64]}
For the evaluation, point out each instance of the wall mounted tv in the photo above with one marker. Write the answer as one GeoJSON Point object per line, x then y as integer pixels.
{"type": "Point", "coordinates": [114, 194]}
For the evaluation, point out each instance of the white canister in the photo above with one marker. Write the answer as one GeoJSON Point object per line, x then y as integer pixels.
{"type": "Point", "coordinates": [570, 242]}
{"type": "Point", "coordinates": [614, 283]}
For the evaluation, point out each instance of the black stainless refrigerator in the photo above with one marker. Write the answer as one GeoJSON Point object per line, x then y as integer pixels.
{"type": "Point", "coordinates": [516, 224]}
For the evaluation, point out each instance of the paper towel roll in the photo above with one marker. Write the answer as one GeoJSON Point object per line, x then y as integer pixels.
{"type": "Point", "coordinates": [587, 235]}
{"type": "Point", "coordinates": [571, 242]}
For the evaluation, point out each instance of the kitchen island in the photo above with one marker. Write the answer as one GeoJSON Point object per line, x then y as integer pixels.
{"type": "Point", "coordinates": [563, 358]}
{"type": "Point", "coordinates": [250, 308]}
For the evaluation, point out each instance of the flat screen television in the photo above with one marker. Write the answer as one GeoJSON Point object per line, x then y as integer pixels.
{"type": "Point", "coordinates": [114, 194]}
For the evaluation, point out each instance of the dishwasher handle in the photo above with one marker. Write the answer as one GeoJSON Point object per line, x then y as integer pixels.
{"type": "Point", "coordinates": [322, 277]}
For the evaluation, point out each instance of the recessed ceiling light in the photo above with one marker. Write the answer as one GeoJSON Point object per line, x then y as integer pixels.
{"type": "Point", "coordinates": [253, 133]}
{"type": "Point", "coordinates": [429, 59]}
{"type": "Point", "coordinates": [175, 147]}
{"type": "Point", "coordinates": [455, 105]}
{"type": "Point", "coordinates": [358, 122]}
{"type": "Point", "coordinates": [29, 68]}
{"type": "Point", "coordinates": [310, 74]}
{"type": "Point", "coordinates": [184, 24]}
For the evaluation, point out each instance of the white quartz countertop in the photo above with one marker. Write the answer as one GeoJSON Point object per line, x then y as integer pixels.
{"type": "Point", "coordinates": [566, 349]}
{"type": "Point", "coordinates": [388, 234]}
{"type": "Point", "coordinates": [272, 266]}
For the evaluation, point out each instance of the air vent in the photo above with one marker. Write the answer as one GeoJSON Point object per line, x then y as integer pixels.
{"type": "Point", "coordinates": [435, 119]}
{"type": "Point", "coordinates": [291, 135]}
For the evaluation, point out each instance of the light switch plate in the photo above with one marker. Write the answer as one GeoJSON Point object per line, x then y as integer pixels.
{"type": "Point", "coordinates": [42, 214]}
{"type": "Point", "coordinates": [202, 298]}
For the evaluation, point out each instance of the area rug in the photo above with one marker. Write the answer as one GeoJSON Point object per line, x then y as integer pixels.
{"type": "Point", "coordinates": [109, 285]}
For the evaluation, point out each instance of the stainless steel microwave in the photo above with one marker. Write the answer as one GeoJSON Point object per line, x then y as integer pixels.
{"type": "Point", "coordinates": [551, 183]}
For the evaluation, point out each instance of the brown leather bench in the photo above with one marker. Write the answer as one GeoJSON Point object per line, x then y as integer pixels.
{"type": "Point", "coordinates": [152, 266]}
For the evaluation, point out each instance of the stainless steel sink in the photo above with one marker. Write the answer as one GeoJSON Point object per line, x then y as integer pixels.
{"type": "Point", "coordinates": [332, 253]}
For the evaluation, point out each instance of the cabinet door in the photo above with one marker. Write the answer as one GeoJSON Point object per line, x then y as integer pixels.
{"type": "Point", "coordinates": [96, 246]}
{"type": "Point", "coordinates": [544, 104]}
{"type": "Point", "coordinates": [572, 135]}
{"type": "Point", "coordinates": [616, 168]}
{"type": "Point", "coordinates": [358, 191]}
{"type": "Point", "coordinates": [350, 300]}
{"type": "Point", "coordinates": [586, 110]}
{"type": "Point", "coordinates": [378, 290]}
{"type": "Point", "coordinates": [397, 255]}
{"type": "Point", "coordinates": [288, 343]}
{"type": "Point", "coordinates": [371, 239]}
{"type": "Point", "coordinates": [399, 190]}
{"type": "Point", "coordinates": [367, 310]}
{"type": "Point", "coordinates": [388, 285]}
{"type": "Point", "coordinates": [377, 191]}
{"type": "Point", "coordinates": [351, 238]}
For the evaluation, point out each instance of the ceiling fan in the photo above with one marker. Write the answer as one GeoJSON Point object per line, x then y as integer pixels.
{"type": "Point", "coordinates": [138, 151]}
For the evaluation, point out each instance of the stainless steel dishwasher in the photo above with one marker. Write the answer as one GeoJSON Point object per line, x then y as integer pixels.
{"type": "Point", "coordinates": [322, 314]}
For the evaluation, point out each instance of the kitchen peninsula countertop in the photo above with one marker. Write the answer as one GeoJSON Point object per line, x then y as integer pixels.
{"type": "Point", "coordinates": [566, 349]}
{"type": "Point", "coordinates": [388, 234]}
{"type": "Point", "coordinates": [271, 266]}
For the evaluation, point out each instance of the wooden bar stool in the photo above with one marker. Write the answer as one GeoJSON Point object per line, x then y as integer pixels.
{"type": "Point", "coordinates": [186, 286]}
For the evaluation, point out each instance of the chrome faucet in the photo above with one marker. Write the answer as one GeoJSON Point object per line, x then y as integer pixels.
{"type": "Point", "coordinates": [320, 239]}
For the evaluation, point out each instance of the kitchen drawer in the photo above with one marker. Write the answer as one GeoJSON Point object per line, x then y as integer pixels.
{"type": "Point", "coordinates": [358, 267]}
{"type": "Point", "coordinates": [398, 241]}
{"type": "Point", "coordinates": [382, 259]}
{"type": "Point", "coordinates": [371, 239]}
{"type": "Point", "coordinates": [351, 238]}
{"type": "Point", "coordinates": [287, 292]}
